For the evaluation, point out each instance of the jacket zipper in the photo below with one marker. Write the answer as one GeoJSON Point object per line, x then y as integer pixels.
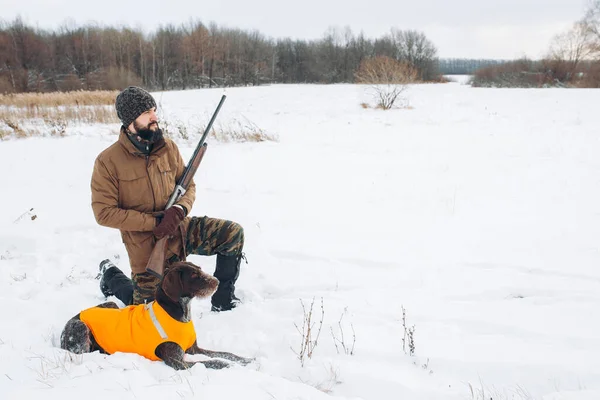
{"type": "Point", "coordinates": [150, 180]}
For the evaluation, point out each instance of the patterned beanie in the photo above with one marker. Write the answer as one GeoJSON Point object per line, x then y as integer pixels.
{"type": "Point", "coordinates": [131, 103]}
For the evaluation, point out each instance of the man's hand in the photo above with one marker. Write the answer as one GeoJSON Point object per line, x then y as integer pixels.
{"type": "Point", "coordinates": [169, 222]}
{"type": "Point", "coordinates": [158, 216]}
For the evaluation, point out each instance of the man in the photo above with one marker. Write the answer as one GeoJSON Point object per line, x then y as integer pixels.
{"type": "Point", "coordinates": [131, 184]}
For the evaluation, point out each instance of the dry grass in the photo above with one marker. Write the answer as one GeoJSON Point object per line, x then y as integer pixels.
{"type": "Point", "coordinates": [57, 99]}
{"type": "Point", "coordinates": [83, 114]}
{"type": "Point", "coordinates": [242, 130]}
{"type": "Point", "coordinates": [31, 121]}
{"type": "Point", "coordinates": [237, 130]}
{"type": "Point", "coordinates": [485, 393]}
{"type": "Point", "coordinates": [19, 112]}
{"type": "Point", "coordinates": [10, 126]}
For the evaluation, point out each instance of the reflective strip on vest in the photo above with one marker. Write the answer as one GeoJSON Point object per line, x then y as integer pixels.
{"type": "Point", "coordinates": [157, 324]}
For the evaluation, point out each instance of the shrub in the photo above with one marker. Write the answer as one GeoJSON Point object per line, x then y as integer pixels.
{"type": "Point", "coordinates": [522, 73]}
{"type": "Point", "coordinates": [387, 77]}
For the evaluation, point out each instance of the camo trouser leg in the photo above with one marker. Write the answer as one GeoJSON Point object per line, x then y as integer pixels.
{"type": "Point", "coordinates": [208, 236]}
{"type": "Point", "coordinates": [144, 286]}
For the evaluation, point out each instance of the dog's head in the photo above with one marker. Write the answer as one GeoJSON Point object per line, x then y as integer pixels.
{"type": "Point", "coordinates": [184, 279]}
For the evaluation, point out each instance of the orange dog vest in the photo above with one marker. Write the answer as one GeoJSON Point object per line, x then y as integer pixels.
{"type": "Point", "coordinates": [137, 329]}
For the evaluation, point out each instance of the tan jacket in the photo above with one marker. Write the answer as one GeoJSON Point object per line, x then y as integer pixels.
{"type": "Point", "coordinates": [128, 186]}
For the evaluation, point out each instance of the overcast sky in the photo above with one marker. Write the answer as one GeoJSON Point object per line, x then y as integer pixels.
{"type": "Point", "coordinates": [459, 28]}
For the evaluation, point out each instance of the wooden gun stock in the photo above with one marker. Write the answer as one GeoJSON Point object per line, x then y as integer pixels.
{"type": "Point", "coordinates": [156, 263]}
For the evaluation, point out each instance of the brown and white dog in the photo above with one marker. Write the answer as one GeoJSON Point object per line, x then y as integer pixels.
{"type": "Point", "coordinates": [160, 330]}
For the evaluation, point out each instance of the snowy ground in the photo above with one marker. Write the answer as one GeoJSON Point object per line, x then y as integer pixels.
{"type": "Point", "coordinates": [477, 210]}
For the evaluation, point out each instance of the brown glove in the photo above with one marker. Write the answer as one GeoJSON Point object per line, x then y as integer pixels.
{"type": "Point", "coordinates": [169, 222]}
{"type": "Point", "coordinates": [158, 216]}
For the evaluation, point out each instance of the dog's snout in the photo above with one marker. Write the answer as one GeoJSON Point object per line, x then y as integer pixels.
{"type": "Point", "coordinates": [207, 285]}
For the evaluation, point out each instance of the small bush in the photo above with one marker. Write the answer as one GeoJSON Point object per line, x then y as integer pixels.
{"type": "Point", "coordinates": [345, 345]}
{"type": "Point", "coordinates": [387, 77]}
{"type": "Point", "coordinates": [408, 340]}
{"type": "Point", "coordinates": [309, 332]}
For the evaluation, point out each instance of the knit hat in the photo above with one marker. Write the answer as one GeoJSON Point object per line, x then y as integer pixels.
{"type": "Point", "coordinates": [131, 103]}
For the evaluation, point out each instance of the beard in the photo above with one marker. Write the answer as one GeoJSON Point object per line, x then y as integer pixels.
{"type": "Point", "coordinates": [148, 134]}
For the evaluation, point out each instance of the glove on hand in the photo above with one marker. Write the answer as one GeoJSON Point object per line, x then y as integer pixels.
{"type": "Point", "coordinates": [158, 216]}
{"type": "Point", "coordinates": [169, 222]}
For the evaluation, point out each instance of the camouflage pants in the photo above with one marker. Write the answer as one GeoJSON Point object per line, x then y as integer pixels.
{"type": "Point", "coordinates": [206, 237]}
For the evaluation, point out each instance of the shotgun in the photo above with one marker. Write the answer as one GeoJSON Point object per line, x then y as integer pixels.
{"type": "Point", "coordinates": [156, 263]}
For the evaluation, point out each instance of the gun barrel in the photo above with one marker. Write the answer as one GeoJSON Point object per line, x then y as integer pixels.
{"type": "Point", "coordinates": [201, 142]}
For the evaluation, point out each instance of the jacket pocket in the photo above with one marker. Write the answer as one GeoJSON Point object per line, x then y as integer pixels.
{"type": "Point", "coordinates": [167, 181]}
{"type": "Point", "coordinates": [134, 191]}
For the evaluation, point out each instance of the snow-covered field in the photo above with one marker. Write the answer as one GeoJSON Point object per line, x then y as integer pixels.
{"type": "Point", "coordinates": [476, 210]}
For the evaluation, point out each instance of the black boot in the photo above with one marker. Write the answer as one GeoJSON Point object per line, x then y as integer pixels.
{"type": "Point", "coordinates": [227, 272]}
{"type": "Point", "coordinates": [113, 282]}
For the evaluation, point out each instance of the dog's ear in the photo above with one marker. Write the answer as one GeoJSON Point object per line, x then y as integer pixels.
{"type": "Point", "coordinates": [172, 284]}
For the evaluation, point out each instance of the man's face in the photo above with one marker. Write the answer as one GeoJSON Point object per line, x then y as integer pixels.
{"type": "Point", "coordinates": [147, 121]}
{"type": "Point", "coordinates": [146, 126]}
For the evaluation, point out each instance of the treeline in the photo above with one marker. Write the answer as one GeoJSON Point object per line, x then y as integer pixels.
{"type": "Point", "coordinates": [464, 66]}
{"type": "Point", "coordinates": [525, 73]}
{"type": "Point", "coordinates": [572, 60]}
{"type": "Point", "coordinates": [192, 55]}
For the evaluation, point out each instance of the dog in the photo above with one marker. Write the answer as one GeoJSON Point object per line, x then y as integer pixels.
{"type": "Point", "coordinates": [160, 330]}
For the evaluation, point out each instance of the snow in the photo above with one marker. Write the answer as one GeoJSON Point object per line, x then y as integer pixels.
{"type": "Point", "coordinates": [475, 210]}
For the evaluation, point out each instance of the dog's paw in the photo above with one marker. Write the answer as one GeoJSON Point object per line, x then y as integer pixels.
{"type": "Point", "coordinates": [245, 361]}
{"type": "Point", "coordinates": [215, 364]}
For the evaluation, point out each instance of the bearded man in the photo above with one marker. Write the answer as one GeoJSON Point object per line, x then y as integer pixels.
{"type": "Point", "coordinates": [131, 185]}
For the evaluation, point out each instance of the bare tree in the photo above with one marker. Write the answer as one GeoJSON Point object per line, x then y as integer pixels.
{"type": "Point", "coordinates": [387, 77]}
{"type": "Point", "coordinates": [414, 47]}
{"type": "Point", "coordinates": [591, 21]}
{"type": "Point", "coordinates": [569, 49]}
